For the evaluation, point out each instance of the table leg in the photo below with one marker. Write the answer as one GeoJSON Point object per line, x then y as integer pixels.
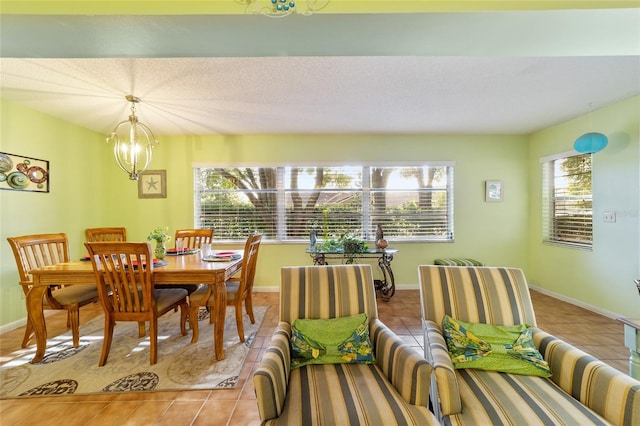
{"type": "Point", "coordinates": [319, 259]}
{"type": "Point", "coordinates": [35, 315]}
{"type": "Point", "coordinates": [219, 313]}
{"type": "Point", "coordinates": [387, 285]}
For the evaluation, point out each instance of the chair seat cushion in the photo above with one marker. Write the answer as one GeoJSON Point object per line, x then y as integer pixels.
{"type": "Point", "coordinates": [75, 294]}
{"type": "Point", "coordinates": [494, 398]}
{"type": "Point", "coordinates": [346, 394]}
{"type": "Point", "coordinates": [167, 297]}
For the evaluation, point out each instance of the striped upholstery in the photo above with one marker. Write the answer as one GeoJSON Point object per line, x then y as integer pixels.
{"type": "Point", "coordinates": [395, 390]}
{"type": "Point", "coordinates": [475, 294]}
{"type": "Point", "coordinates": [444, 378]}
{"type": "Point", "coordinates": [457, 261]}
{"type": "Point", "coordinates": [327, 292]}
{"type": "Point", "coordinates": [604, 389]}
{"type": "Point", "coordinates": [582, 390]}
{"type": "Point", "coordinates": [513, 399]}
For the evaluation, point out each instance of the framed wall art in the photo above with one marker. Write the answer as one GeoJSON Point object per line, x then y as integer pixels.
{"type": "Point", "coordinates": [494, 190]}
{"type": "Point", "coordinates": [152, 184]}
{"type": "Point", "coordinates": [20, 173]}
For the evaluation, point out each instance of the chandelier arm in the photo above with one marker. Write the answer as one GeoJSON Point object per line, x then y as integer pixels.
{"type": "Point", "coordinates": [151, 143]}
{"type": "Point", "coordinates": [128, 153]}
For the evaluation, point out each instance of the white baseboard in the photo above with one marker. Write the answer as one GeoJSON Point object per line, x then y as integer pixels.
{"type": "Point", "coordinates": [12, 325]}
{"type": "Point", "coordinates": [580, 303]}
{"type": "Point", "coordinates": [21, 322]}
{"type": "Point", "coordinates": [262, 289]}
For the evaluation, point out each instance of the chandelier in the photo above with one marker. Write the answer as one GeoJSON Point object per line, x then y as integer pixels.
{"type": "Point", "coordinates": [133, 142]}
{"type": "Point", "coordinates": [281, 8]}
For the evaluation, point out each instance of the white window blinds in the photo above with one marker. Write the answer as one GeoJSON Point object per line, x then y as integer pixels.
{"type": "Point", "coordinates": [567, 201]}
{"type": "Point", "coordinates": [286, 203]}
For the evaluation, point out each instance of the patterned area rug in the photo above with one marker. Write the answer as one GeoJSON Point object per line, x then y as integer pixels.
{"type": "Point", "coordinates": [181, 365]}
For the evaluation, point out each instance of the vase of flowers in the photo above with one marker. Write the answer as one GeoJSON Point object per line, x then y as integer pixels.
{"type": "Point", "coordinates": [160, 236]}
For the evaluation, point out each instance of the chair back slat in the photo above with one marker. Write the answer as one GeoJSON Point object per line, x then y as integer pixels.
{"type": "Point", "coordinates": [249, 262]}
{"type": "Point", "coordinates": [194, 238]}
{"type": "Point", "coordinates": [327, 291]}
{"type": "Point", "coordinates": [124, 275]}
{"type": "Point", "coordinates": [492, 295]}
{"type": "Point", "coordinates": [36, 251]}
{"type": "Point", "coordinates": [106, 234]}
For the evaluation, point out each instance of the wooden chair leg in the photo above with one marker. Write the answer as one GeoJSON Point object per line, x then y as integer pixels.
{"type": "Point", "coordinates": [108, 337]}
{"type": "Point", "coordinates": [153, 337]}
{"type": "Point", "coordinates": [210, 309]}
{"type": "Point", "coordinates": [28, 330]}
{"type": "Point", "coordinates": [193, 322]}
{"type": "Point", "coordinates": [239, 321]}
{"type": "Point", "coordinates": [141, 331]}
{"type": "Point", "coordinates": [184, 313]}
{"type": "Point", "coordinates": [74, 320]}
{"type": "Point", "coordinates": [248, 305]}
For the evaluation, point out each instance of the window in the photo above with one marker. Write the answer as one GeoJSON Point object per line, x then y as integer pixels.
{"type": "Point", "coordinates": [286, 203]}
{"type": "Point", "coordinates": [566, 200]}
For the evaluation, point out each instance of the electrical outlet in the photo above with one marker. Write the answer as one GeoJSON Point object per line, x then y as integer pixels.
{"type": "Point", "coordinates": [609, 217]}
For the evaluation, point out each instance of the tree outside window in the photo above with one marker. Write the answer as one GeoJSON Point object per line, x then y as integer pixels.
{"type": "Point", "coordinates": [287, 203]}
{"type": "Point", "coordinates": [567, 201]}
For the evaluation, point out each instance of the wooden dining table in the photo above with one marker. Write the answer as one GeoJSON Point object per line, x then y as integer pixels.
{"type": "Point", "coordinates": [182, 269]}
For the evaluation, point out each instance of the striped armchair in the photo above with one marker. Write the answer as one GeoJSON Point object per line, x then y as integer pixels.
{"type": "Point", "coordinates": [581, 390]}
{"type": "Point", "coordinates": [394, 390]}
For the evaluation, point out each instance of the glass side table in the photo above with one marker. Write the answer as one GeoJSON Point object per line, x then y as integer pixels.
{"type": "Point", "coordinates": [386, 286]}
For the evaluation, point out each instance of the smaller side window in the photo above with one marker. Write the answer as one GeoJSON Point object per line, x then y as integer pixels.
{"type": "Point", "coordinates": [567, 213]}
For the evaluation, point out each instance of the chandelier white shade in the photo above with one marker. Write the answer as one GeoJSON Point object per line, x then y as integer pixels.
{"type": "Point", "coordinates": [133, 143]}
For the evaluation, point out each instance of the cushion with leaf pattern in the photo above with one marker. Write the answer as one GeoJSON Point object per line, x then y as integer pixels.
{"type": "Point", "coordinates": [509, 349]}
{"type": "Point", "coordinates": [331, 341]}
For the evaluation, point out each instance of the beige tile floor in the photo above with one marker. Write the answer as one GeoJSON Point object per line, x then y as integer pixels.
{"type": "Point", "coordinates": [598, 335]}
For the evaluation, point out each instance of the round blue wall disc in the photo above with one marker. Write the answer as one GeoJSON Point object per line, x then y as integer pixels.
{"type": "Point", "coordinates": [590, 143]}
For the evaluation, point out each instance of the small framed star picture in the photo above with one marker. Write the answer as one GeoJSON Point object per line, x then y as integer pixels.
{"type": "Point", "coordinates": [152, 184]}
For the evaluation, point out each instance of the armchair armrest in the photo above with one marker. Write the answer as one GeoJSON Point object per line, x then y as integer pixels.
{"type": "Point", "coordinates": [408, 372]}
{"type": "Point", "coordinates": [445, 390]}
{"type": "Point", "coordinates": [607, 391]}
{"type": "Point", "coordinates": [271, 377]}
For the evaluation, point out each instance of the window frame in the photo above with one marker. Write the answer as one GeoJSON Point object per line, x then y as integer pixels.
{"type": "Point", "coordinates": [367, 234]}
{"type": "Point", "coordinates": [550, 199]}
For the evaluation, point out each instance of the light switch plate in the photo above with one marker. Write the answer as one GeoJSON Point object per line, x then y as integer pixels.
{"type": "Point", "coordinates": [609, 217]}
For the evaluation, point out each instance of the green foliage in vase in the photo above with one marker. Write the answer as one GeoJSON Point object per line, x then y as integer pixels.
{"type": "Point", "coordinates": [346, 243]}
{"type": "Point", "coordinates": [159, 234]}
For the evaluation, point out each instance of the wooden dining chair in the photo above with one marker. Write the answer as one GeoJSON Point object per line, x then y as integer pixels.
{"type": "Point", "coordinates": [106, 234]}
{"type": "Point", "coordinates": [38, 250]}
{"type": "Point", "coordinates": [124, 276]}
{"type": "Point", "coordinates": [194, 238]}
{"type": "Point", "coordinates": [239, 290]}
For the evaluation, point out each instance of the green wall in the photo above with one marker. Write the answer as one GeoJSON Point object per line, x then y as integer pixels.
{"type": "Point", "coordinates": [604, 276]}
{"type": "Point", "coordinates": [78, 183]}
{"type": "Point", "coordinates": [88, 190]}
{"type": "Point", "coordinates": [493, 232]}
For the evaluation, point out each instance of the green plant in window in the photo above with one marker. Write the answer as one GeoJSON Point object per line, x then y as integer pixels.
{"type": "Point", "coordinates": [346, 243]}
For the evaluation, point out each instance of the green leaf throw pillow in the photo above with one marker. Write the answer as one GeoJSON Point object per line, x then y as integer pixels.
{"type": "Point", "coordinates": [509, 349]}
{"type": "Point", "coordinates": [331, 341]}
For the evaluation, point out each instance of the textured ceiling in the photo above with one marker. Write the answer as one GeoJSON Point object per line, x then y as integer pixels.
{"type": "Point", "coordinates": [480, 73]}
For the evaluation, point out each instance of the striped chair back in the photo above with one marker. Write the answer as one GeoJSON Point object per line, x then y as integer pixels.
{"type": "Point", "coordinates": [327, 291]}
{"type": "Point", "coordinates": [491, 295]}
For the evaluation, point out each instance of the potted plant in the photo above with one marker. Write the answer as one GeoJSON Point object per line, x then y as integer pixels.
{"type": "Point", "coordinates": [160, 236]}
